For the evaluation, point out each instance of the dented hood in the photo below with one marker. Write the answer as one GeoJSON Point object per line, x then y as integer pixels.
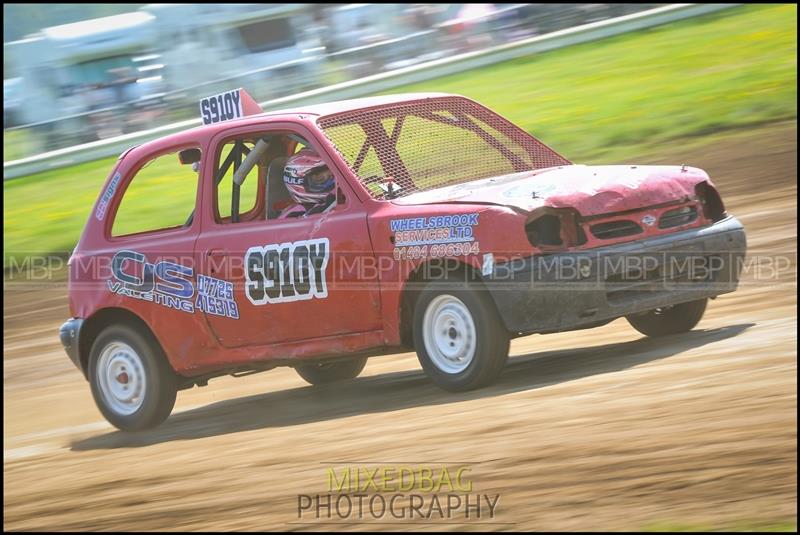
{"type": "Point", "coordinates": [591, 190]}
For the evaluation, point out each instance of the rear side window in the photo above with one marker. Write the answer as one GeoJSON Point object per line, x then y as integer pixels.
{"type": "Point", "coordinates": [160, 196]}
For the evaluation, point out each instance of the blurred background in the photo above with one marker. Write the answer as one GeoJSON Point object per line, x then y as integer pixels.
{"type": "Point", "coordinates": [77, 73]}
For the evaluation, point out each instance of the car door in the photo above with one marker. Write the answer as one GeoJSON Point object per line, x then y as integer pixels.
{"type": "Point", "coordinates": [270, 281]}
{"type": "Point", "coordinates": [147, 259]}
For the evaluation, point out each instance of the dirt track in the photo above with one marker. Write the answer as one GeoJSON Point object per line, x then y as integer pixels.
{"type": "Point", "coordinates": [599, 429]}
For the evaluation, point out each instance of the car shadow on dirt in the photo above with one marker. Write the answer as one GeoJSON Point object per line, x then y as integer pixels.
{"type": "Point", "coordinates": [402, 390]}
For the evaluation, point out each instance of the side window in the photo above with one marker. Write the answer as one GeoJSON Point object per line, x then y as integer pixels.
{"type": "Point", "coordinates": [263, 192]}
{"type": "Point", "coordinates": [160, 196]}
{"type": "Point", "coordinates": [249, 191]}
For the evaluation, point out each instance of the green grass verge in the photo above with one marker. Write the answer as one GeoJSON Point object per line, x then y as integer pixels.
{"type": "Point", "coordinates": [597, 102]}
{"type": "Point", "coordinates": [740, 526]}
{"type": "Point", "coordinates": [14, 143]}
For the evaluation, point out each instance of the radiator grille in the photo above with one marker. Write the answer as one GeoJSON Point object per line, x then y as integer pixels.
{"type": "Point", "coordinates": [615, 229]}
{"type": "Point", "coordinates": [677, 217]}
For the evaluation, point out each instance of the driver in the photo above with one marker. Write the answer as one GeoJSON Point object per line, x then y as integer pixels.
{"type": "Point", "coordinates": [310, 184]}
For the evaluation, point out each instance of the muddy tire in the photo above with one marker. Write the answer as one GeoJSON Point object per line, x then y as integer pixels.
{"type": "Point", "coordinates": [460, 341]}
{"type": "Point", "coordinates": [669, 320]}
{"type": "Point", "coordinates": [132, 383]}
{"type": "Point", "coordinates": [322, 373]}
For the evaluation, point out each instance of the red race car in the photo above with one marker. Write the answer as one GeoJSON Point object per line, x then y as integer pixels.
{"type": "Point", "coordinates": [320, 236]}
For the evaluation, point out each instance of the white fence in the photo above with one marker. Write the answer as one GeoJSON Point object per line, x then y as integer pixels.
{"type": "Point", "coordinates": [379, 82]}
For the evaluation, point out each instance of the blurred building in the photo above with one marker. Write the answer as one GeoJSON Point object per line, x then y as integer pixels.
{"type": "Point", "coordinates": [144, 55]}
{"type": "Point", "coordinates": [74, 68]}
{"type": "Point", "coordinates": [206, 42]}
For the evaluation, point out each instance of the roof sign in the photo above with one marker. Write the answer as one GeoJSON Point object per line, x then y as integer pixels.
{"type": "Point", "coordinates": [227, 106]}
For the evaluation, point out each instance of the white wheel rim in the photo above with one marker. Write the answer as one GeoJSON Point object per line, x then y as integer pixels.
{"type": "Point", "coordinates": [121, 377]}
{"type": "Point", "coordinates": [449, 334]}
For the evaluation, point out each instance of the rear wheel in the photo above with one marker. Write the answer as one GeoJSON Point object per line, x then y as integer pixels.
{"type": "Point", "coordinates": [669, 320]}
{"type": "Point", "coordinates": [132, 383]}
{"type": "Point", "coordinates": [320, 373]}
{"type": "Point", "coordinates": [459, 338]}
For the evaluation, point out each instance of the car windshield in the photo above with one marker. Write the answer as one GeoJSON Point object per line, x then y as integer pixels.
{"type": "Point", "coordinates": [414, 146]}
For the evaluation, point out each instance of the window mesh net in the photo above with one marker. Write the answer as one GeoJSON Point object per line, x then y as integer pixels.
{"type": "Point", "coordinates": [414, 146]}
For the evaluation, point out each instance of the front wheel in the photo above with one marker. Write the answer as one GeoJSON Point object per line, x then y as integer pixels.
{"type": "Point", "coordinates": [669, 320]}
{"type": "Point", "coordinates": [132, 383]}
{"type": "Point", "coordinates": [459, 338]}
{"type": "Point", "coordinates": [320, 373]}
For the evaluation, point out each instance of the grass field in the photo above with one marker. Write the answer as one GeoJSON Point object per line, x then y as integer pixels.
{"type": "Point", "coordinates": [595, 103]}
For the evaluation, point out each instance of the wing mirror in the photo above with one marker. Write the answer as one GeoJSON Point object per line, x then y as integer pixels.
{"type": "Point", "coordinates": [188, 156]}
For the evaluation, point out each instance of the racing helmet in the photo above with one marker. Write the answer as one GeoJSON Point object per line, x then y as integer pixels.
{"type": "Point", "coordinates": [308, 178]}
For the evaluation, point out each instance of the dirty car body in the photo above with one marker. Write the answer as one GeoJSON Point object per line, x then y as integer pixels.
{"type": "Point", "coordinates": [452, 232]}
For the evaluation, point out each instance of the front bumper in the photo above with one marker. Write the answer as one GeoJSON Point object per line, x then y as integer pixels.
{"type": "Point", "coordinates": [70, 333]}
{"type": "Point", "coordinates": [566, 291]}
